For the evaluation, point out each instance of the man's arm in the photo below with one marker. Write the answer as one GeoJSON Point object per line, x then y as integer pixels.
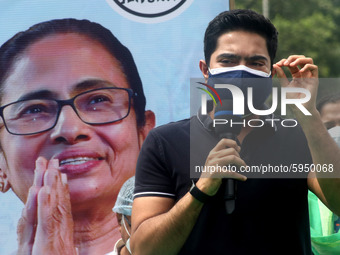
{"type": "Point", "coordinates": [161, 226]}
{"type": "Point", "coordinates": [324, 150]}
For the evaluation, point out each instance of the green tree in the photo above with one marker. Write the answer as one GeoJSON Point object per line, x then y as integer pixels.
{"type": "Point", "coordinates": [311, 28]}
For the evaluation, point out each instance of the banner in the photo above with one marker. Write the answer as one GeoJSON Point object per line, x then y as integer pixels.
{"type": "Point", "coordinates": [165, 38]}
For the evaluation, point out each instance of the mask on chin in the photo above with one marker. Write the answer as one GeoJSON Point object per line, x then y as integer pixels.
{"type": "Point", "coordinates": [242, 77]}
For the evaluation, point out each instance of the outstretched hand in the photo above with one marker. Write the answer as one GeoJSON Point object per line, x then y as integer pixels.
{"type": "Point", "coordinates": [304, 75]}
{"type": "Point", "coordinates": [46, 225]}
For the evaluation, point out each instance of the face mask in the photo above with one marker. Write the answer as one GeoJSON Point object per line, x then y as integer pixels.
{"type": "Point", "coordinates": [242, 77]}
{"type": "Point", "coordinates": [335, 134]}
{"type": "Point", "coordinates": [127, 244]}
{"type": "Point", "coordinates": [124, 224]}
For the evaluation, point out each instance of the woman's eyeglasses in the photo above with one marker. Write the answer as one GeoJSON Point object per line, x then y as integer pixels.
{"type": "Point", "coordinates": [94, 107]}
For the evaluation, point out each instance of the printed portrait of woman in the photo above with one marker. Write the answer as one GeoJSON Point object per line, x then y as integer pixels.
{"type": "Point", "coordinates": [72, 123]}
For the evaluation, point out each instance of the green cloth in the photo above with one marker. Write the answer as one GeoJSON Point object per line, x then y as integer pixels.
{"type": "Point", "coordinates": [324, 240]}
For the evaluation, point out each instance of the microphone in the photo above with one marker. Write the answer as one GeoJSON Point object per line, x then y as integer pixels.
{"type": "Point", "coordinates": [227, 131]}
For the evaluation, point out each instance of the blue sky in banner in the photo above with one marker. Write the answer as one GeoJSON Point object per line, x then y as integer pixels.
{"type": "Point", "coordinates": [166, 54]}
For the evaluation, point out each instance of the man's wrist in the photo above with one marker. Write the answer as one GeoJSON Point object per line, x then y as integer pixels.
{"type": "Point", "coordinates": [198, 194]}
{"type": "Point", "coordinates": [305, 120]}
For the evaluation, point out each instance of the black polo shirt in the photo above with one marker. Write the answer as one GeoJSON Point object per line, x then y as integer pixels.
{"type": "Point", "coordinates": [271, 215]}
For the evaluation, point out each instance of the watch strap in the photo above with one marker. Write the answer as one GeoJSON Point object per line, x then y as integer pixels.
{"type": "Point", "coordinates": [198, 194]}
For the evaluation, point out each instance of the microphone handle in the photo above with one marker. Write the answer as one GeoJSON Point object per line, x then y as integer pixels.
{"type": "Point", "coordinates": [229, 195]}
{"type": "Point", "coordinates": [229, 184]}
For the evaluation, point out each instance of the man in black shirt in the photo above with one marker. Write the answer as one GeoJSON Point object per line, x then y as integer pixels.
{"type": "Point", "coordinates": [271, 215]}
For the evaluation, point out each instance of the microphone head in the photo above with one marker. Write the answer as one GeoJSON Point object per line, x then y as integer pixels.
{"type": "Point", "coordinates": [225, 112]}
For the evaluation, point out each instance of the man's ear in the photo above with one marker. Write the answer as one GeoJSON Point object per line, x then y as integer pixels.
{"type": "Point", "coordinates": [4, 183]}
{"type": "Point", "coordinates": [150, 121]}
{"type": "Point", "coordinates": [204, 69]}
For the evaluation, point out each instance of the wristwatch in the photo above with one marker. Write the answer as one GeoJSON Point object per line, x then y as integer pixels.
{"type": "Point", "coordinates": [198, 194]}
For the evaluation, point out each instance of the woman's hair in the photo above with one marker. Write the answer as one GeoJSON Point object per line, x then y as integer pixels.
{"type": "Point", "coordinates": [11, 50]}
{"type": "Point", "coordinates": [240, 20]}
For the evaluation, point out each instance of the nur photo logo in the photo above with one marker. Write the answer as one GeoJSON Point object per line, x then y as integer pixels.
{"type": "Point", "coordinates": [243, 105]}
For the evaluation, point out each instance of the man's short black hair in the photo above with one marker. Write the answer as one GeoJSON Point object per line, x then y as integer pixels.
{"type": "Point", "coordinates": [328, 99]}
{"type": "Point", "coordinates": [15, 46]}
{"type": "Point", "coordinates": [240, 20]}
